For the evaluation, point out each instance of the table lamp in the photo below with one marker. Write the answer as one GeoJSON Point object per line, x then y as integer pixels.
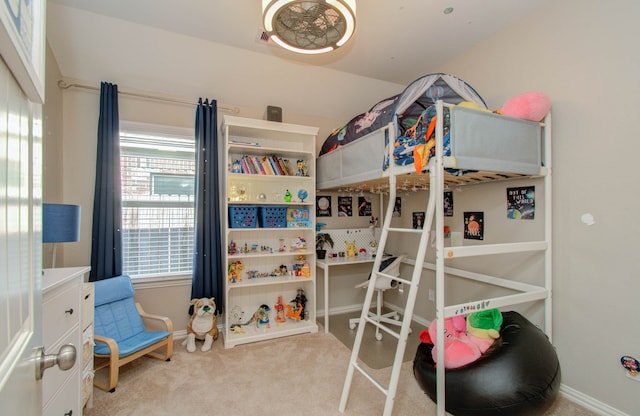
{"type": "Point", "coordinates": [60, 224]}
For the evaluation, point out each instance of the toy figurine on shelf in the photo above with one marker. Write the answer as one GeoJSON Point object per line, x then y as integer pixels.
{"type": "Point", "coordinates": [292, 313]}
{"type": "Point", "coordinates": [298, 243]}
{"type": "Point", "coordinates": [302, 168]}
{"type": "Point", "coordinates": [235, 320]}
{"type": "Point", "coordinates": [302, 194]}
{"type": "Point", "coordinates": [301, 302]}
{"type": "Point", "coordinates": [288, 196]}
{"type": "Point", "coordinates": [232, 248]}
{"type": "Point", "coordinates": [261, 316]}
{"type": "Point", "coordinates": [234, 270]}
{"type": "Point", "coordinates": [279, 307]}
{"type": "Point", "coordinates": [305, 270]}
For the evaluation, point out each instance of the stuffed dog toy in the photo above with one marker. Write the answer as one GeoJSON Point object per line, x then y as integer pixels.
{"type": "Point", "coordinates": [202, 324]}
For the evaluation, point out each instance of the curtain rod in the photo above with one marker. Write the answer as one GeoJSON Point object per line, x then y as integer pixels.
{"type": "Point", "coordinates": [62, 84]}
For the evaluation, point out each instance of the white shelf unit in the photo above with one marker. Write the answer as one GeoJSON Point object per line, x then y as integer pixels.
{"type": "Point", "coordinates": [264, 248]}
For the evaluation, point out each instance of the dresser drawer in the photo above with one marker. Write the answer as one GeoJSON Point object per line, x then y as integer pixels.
{"type": "Point", "coordinates": [66, 400]}
{"type": "Point", "coordinates": [54, 378]}
{"type": "Point", "coordinates": [62, 313]}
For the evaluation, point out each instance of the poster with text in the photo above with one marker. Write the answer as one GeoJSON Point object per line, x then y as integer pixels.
{"type": "Point", "coordinates": [521, 203]}
{"type": "Point", "coordinates": [474, 225]}
{"type": "Point", "coordinates": [364, 206]}
{"type": "Point", "coordinates": [344, 206]}
{"type": "Point", "coordinates": [323, 206]}
{"type": "Point", "coordinates": [448, 204]}
{"type": "Point", "coordinates": [418, 220]}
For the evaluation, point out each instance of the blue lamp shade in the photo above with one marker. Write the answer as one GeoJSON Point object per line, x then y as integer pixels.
{"type": "Point", "coordinates": [60, 223]}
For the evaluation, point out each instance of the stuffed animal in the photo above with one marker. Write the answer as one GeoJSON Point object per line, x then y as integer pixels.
{"type": "Point", "coordinates": [483, 327]}
{"type": "Point", "coordinates": [459, 350]}
{"type": "Point", "coordinates": [202, 324]}
{"type": "Point", "coordinates": [532, 105]}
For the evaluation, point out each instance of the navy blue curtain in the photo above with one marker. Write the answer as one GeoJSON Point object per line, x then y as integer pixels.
{"type": "Point", "coordinates": [106, 240]}
{"type": "Point", "coordinates": [207, 250]}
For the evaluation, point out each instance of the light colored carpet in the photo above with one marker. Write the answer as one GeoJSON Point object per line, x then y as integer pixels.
{"type": "Point", "coordinates": [300, 375]}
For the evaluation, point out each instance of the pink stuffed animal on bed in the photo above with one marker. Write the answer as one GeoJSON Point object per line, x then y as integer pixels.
{"type": "Point", "coordinates": [459, 349]}
{"type": "Point", "coordinates": [532, 105]}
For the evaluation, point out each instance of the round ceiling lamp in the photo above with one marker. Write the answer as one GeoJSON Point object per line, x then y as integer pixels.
{"type": "Point", "coordinates": [309, 27]}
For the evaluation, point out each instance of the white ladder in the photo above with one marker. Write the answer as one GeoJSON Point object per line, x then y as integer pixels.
{"type": "Point", "coordinates": [435, 200]}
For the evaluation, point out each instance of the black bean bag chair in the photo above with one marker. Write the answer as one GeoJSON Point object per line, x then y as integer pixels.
{"type": "Point", "coordinates": [518, 376]}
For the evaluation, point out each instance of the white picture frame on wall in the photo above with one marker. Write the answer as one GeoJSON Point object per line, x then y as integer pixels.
{"type": "Point", "coordinates": [22, 44]}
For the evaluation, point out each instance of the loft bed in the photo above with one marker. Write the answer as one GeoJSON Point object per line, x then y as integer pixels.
{"type": "Point", "coordinates": [479, 146]}
{"type": "Point", "coordinates": [463, 144]}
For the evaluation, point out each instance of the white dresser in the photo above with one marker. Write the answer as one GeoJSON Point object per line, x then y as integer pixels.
{"type": "Point", "coordinates": [63, 322]}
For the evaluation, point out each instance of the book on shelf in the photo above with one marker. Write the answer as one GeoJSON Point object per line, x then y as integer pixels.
{"type": "Point", "coordinates": [267, 166]}
{"type": "Point", "coordinates": [283, 166]}
{"type": "Point", "coordinates": [276, 166]}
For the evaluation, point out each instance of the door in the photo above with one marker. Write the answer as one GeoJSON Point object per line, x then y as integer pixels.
{"type": "Point", "coordinates": [20, 249]}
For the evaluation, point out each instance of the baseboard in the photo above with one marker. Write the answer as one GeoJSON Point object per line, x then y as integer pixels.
{"type": "Point", "coordinates": [589, 402]}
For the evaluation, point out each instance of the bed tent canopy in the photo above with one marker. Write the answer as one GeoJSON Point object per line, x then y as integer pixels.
{"type": "Point", "coordinates": [404, 108]}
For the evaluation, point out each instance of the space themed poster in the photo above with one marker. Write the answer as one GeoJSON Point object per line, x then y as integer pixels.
{"type": "Point", "coordinates": [521, 203]}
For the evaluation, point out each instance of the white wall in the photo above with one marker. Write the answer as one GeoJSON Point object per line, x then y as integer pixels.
{"type": "Point", "coordinates": [583, 54]}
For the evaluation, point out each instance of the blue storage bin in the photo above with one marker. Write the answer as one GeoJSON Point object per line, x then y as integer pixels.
{"type": "Point", "coordinates": [273, 217]}
{"type": "Point", "coordinates": [243, 216]}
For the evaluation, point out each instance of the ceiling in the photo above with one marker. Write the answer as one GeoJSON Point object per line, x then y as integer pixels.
{"type": "Point", "coordinates": [386, 45]}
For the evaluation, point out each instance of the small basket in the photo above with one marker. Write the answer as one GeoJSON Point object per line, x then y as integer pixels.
{"type": "Point", "coordinates": [243, 216]}
{"type": "Point", "coordinates": [273, 217]}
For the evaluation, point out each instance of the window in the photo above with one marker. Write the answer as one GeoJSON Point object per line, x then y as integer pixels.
{"type": "Point", "coordinates": [158, 186]}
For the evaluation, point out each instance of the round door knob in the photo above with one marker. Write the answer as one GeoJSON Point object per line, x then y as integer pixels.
{"type": "Point", "coordinates": [64, 359]}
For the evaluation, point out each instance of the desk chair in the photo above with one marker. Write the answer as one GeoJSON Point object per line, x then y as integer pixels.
{"type": "Point", "coordinates": [390, 266]}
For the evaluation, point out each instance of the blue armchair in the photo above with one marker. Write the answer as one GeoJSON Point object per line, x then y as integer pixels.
{"type": "Point", "coordinates": [120, 332]}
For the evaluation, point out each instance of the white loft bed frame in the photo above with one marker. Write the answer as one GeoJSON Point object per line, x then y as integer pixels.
{"type": "Point", "coordinates": [500, 148]}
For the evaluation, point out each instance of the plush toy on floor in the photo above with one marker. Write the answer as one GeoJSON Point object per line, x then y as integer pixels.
{"type": "Point", "coordinates": [202, 324]}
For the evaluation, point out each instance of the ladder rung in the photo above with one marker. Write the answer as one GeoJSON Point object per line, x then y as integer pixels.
{"type": "Point", "coordinates": [383, 327]}
{"type": "Point", "coordinates": [406, 230]}
{"type": "Point", "coordinates": [396, 278]}
{"type": "Point", "coordinates": [375, 382]}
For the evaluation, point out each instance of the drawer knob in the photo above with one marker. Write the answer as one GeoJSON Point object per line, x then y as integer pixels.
{"type": "Point", "coordinates": [69, 413]}
{"type": "Point", "coordinates": [69, 311]}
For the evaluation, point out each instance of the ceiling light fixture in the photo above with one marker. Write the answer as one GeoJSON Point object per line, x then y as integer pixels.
{"type": "Point", "coordinates": [309, 27]}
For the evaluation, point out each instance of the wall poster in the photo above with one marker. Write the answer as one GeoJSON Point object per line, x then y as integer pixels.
{"type": "Point", "coordinates": [474, 225]}
{"type": "Point", "coordinates": [364, 206]}
{"type": "Point", "coordinates": [345, 206]}
{"type": "Point", "coordinates": [418, 220]}
{"type": "Point", "coordinates": [521, 203]}
{"type": "Point", "coordinates": [397, 208]}
{"type": "Point", "coordinates": [323, 206]}
{"type": "Point", "coordinates": [448, 204]}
